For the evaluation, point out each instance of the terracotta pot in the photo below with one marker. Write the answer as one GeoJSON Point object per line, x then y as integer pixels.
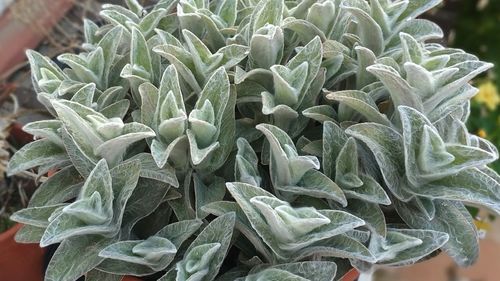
{"type": "Point", "coordinates": [26, 32]}
{"type": "Point", "coordinates": [351, 275]}
{"type": "Point", "coordinates": [19, 136]}
{"type": "Point", "coordinates": [19, 262]}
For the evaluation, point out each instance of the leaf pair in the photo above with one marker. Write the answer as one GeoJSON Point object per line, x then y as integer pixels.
{"type": "Point", "coordinates": [428, 157]}
{"type": "Point", "coordinates": [206, 253]}
{"type": "Point", "coordinates": [406, 246]}
{"type": "Point", "coordinates": [98, 209]}
{"type": "Point", "coordinates": [46, 74]}
{"type": "Point", "coordinates": [266, 47]}
{"type": "Point", "coordinates": [94, 136]}
{"type": "Point", "coordinates": [208, 131]}
{"type": "Point", "coordinates": [284, 229]}
{"type": "Point", "coordinates": [380, 22]}
{"type": "Point", "coordinates": [195, 62]}
{"type": "Point", "coordinates": [341, 162]}
{"type": "Point", "coordinates": [206, 24]}
{"type": "Point", "coordinates": [163, 110]}
{"type": "Point", "coordinates": [291, 84]}
{"type": "Point", "coordinates": [143, 257]}
{"type": "Point", "coordinates": [136, 17]}
{"type": "Point", "coordinates": [293, 174]}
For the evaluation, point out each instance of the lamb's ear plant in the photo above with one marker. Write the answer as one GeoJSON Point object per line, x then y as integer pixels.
{"type": "Point", "coordinates": [255, 140]}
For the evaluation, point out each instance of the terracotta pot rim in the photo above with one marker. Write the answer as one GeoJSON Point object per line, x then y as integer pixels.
{"type": "Point", "coordinates": [351, 275]}
{"type": "Point", "coordinates": [11, 232]}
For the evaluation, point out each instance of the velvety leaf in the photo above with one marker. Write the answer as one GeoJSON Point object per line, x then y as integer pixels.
{"type": "Point", "coordinates": [75, 257]}
{"type": "Point", "coordinates": [370, 32]}
{"type": "Point", "coordinates": [315, 184]}
{"type": "Point", "coordinates": [29, 234]}
{"type": "Point", "coordinates": [205, 255]}
{"type": "Point", "coordinates": [361, 103]}
{"type": "Point", "coordinates": [82, 163]}
{"type": "Point", "coordinates": [96, 275]}
{"type": "Point", "coordinates": [155, 252]}
{"type": "Point", "coordinates": [45, 129]}
{"type": "Point", "coordinates": [113, 149]}
{"type": "Point", "coordinates": [91, 213]}
{"type": "Point", "coordinates": [387, 147]}
{"type": "Point", "coordinates": [59, 188]}
{"type": "Point", "coordinates": [145, 198]}
{"type": "Point", "coordinates": [246, 166]}
{"type": "Point", "coordinates": [71, 114]}
{"type": "Point", "coordinates": [266, 12]}
{"type": "Point", "coordinates": [434, 160]}
{"type": "Point", "coordinates": [179, 232]}
{"type": "Point", "coordinates": [207, 194]}
{"type": "Point", "coordinates": [431, 241]}
{"type": "Point", "coordinates": [257, 203]}
{"type": "Point", "coordinates": [334, 140]}
{"type": "Point", "coordinates": [341, 246]}
{"type": "Point", "coordinates": [266, 46]}
{"type": "Point", "coordinates": [34, 154]}
{"type": "Point", "coordinates": [463, 245]}
{"type": "Point", "coordinates": [314, 271]}
{"type": "Point", "coordinates": [472, 186]}
{"type": "Point", "coordinates": [369, 212]}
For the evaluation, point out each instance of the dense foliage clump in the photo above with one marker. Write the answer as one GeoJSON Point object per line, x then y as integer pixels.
{"type": "Point", "coordinates": [255, 140]}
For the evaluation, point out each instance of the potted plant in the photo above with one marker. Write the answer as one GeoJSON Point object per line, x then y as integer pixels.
{"type": "Point", "coordinates": [256, 140]}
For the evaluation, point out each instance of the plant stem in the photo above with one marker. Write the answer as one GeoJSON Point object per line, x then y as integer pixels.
{"type": "Point", "coordinates": [366, 276]}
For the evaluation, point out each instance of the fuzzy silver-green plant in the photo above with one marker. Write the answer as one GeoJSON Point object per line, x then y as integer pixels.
{"type": "Point", "coordinates": [255, 140]}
